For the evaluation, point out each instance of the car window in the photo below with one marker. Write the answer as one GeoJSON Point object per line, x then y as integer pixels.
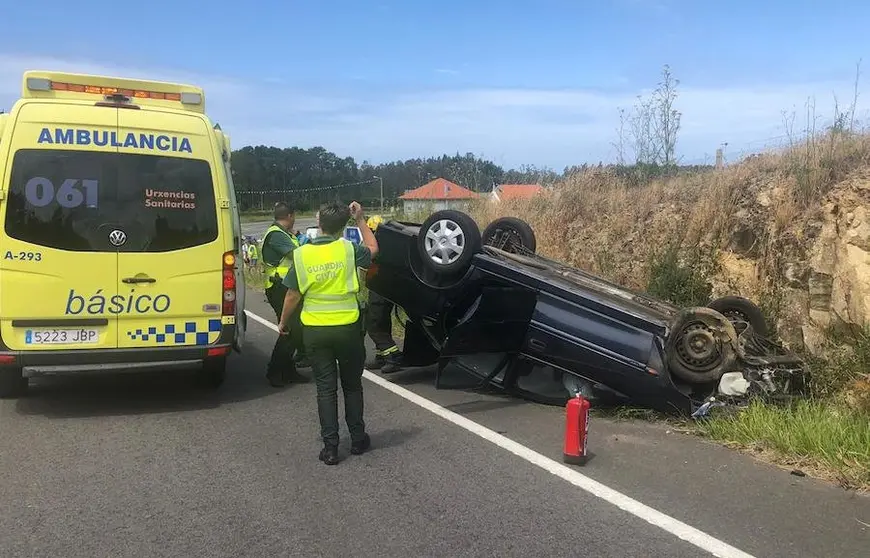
{"type": "Point", "coordinates": [73, 200]}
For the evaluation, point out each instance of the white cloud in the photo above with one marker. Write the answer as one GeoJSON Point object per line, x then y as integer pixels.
{"type": "Point", "coordinates": [510, 126]}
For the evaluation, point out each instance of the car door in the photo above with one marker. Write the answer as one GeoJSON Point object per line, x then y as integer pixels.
{"type": "Point", "coordinates": [486, 331]}
{"type": "Point", "coordinates": [58, 268]}
{"type": "Point", "coordinates": [171, 260]}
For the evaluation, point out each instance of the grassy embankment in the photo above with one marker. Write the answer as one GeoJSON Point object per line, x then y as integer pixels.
{"type": "Point", "coordinates": [667, 237]}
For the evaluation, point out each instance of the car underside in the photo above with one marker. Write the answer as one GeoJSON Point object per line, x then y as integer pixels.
{"type": "Point", "coordinates": [487, 306]}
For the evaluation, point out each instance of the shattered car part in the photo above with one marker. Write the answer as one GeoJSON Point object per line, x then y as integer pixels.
{"type": "Point", "coordinates": [551, 330]}
{"type": "Point", "coordinates": [733, 384]}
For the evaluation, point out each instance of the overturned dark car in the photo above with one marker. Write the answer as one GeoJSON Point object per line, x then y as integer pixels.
{"type": "Point", "coordinates": [486, 304]}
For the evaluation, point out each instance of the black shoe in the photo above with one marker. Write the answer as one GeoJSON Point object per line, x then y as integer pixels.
{"type": "Point", "coordinates": [359, 448]}
{"type": "Point", "coordinates": [329, 455]}
{"type": "Point", "coordinates": [376, 363]}
{"type": "Point", "coordinates": [392, 363]}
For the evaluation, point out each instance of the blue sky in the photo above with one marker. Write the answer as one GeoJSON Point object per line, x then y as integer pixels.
{"type": "Point", "coordinates": [517, 82]}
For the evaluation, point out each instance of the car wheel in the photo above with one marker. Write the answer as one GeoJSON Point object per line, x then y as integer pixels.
{"type": "Point", "coordinates": [741, 311]}
{"type": "Point", "coordinates": [447, 241]}
{"type": "Point", "coordinates": [701, 346]}
{"type": "Point", "coordinates": [213, 372]}
{"type": "Point", "coordinates": [12, 383]}
{"type": "Point", "coordinates": [511, 235]}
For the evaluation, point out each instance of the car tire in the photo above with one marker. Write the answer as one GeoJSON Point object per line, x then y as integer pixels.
{"type": "Point", "coordinates": [511, 235]}
{"type": "Point", "coordinates": [439, 228]}
{"type": "Point", "coordinates": [700, 347]}
{"type": "Point", "coordinates": [12, 383]}
{"type": "Point", "coordinates": [739, 309]}
{"type": "Point", "coordinates": [213, 373]}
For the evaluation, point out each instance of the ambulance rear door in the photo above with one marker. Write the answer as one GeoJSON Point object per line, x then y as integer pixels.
{"type": "Point", "coordinates": [171, 261]}
{"type": "Point", "coordinates": [58, 267]}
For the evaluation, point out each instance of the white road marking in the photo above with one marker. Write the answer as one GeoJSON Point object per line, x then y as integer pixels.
{"type": "Point", "coordinates": [665, 522]}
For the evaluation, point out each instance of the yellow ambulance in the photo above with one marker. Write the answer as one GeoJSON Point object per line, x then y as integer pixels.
{"type": "Point", "coordinates": [119, 231]}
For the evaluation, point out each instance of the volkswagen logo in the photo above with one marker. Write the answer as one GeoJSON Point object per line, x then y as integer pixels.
{"type": "Point", "coordinates": [117, 237]}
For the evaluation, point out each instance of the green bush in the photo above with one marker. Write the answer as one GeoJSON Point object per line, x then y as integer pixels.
{"type": "Point", "coordinates": [683, 283]}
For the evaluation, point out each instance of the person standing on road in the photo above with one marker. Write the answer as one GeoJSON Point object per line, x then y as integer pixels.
{"type": "Point", "coordinates": [253, 256]}
{"type": "Point", "coordinates": [379, 325]}
{"type": "Point", "coordinates": [325, 279]}
{"type": "Point", "coordinates": [279, 244]}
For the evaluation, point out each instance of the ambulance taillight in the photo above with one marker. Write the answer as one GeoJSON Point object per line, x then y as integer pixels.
{"type": "Point", "coordinates": [229, 284]}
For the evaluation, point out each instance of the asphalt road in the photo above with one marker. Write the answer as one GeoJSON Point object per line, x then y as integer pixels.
{"type": "Point", "coordinates": [258, 228]}
{"type": "Point", "coordinates": [147, 465]}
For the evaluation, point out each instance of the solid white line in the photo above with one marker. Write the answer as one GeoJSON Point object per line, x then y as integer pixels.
{"type": "Point", "coordinates": [665, 522]}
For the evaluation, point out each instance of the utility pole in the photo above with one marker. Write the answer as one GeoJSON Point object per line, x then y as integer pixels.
{"type": "Point", "coordinates": [720, 155]}
{"type": "Point", "coordinates": [382, 191]}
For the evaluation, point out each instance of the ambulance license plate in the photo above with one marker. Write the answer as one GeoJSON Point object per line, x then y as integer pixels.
{"type": "Point", "coordinates": [60, 336]}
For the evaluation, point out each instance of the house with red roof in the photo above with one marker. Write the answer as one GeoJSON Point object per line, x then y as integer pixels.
{"type": "Point", "coordinates": [515, 192]}
{"type": "Point", "coordinates": [436, 195]}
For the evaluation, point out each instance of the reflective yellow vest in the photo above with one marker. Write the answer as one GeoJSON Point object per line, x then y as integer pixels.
{"type": "Point", "coordinates": [283, 267]}
{"type": "Point", "coordinates": [328, 282]}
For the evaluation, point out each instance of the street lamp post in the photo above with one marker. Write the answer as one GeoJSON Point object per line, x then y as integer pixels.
{"type": "Point", "coordinates": [382, 191]}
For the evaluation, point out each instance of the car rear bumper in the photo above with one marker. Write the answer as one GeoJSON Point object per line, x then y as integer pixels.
{"type": "Point", "coordinates": [84, 361]}
{"type": "Point", "coordinates": [51, 363]}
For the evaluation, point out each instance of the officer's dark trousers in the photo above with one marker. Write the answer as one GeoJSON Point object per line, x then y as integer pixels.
{"type": "Point", "coordinates": [281, 362]}
{"type": "Point", "coordinates": [379, 323]}
{"type": "Point", "coordinates": [325, 345]}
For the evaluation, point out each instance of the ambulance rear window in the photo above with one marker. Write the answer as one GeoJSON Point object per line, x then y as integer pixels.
{"type": "Point", "coordinates": [75, 200]}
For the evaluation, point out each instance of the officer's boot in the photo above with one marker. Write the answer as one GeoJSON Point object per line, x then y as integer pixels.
{"type": "Point", "coordinates": [376, 363]}
{"type": "Point", "coordinates": [392, 362]}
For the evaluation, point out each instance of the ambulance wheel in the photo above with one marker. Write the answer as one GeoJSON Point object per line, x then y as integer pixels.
{"type": "Point", "coordinates": [213, 372]}
{"type": "Point", "coordinates": [12, 383]}
{"type": "Point", "coordinates": [447, 241]}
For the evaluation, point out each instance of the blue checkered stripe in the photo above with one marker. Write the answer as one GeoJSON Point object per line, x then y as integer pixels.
{"type": "Point", "coordinates": [175, 334]}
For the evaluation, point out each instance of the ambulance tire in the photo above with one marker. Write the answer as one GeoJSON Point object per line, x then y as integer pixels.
{"type": "Point", "coordinates": [12, 383]}
{"type": "Point", "coordinates": [213, 373]}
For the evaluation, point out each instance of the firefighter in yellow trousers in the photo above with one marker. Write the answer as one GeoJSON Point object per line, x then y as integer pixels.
{"type": "Point", "coordinates": [325, 280]}
{"type": "Point", "coordinates": [379, 326]}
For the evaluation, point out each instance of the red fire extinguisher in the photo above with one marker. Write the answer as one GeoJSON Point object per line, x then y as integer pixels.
{"type": "Point", "coordinates": [576, 429]}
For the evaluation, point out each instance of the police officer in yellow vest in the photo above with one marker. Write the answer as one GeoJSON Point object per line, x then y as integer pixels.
{"type": "Point", "coordinates": [279, 244]}
{"type": "Point", "coordinates": [326, 282]}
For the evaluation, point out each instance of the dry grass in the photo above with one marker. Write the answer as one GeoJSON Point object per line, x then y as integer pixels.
{"type": "Point", "coordinates": [600, 221]}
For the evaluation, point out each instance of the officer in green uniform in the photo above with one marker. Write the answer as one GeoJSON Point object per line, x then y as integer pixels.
{"type": "Point", "coordinates": [326, 282]}
{"type": "Point", "coordinates": [278, 246]}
